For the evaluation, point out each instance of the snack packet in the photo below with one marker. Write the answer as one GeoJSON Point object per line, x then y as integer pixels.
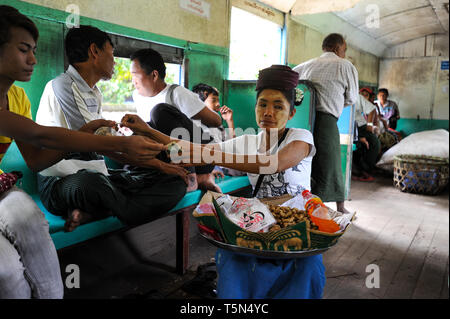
{"type": "Point", "coordinates": [107, 131]}
{"type": "Point", "coordinates": [248, 213]}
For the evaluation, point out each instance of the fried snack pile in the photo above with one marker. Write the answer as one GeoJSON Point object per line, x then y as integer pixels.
{"type": "Point", "coordinates": [287, 216]}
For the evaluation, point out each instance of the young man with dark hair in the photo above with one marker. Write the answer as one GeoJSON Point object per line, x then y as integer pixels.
{"type": "Point", "coordinates": [169, 107]}
{"type": "Point", "coordinates": [210, 96]}
{"type": "Point", "coordinates": [388, 109]}
{"type": "Point", "coordinates": [148, 71]}
{"type": "Point", "coordinates": [91, 191]}
{"type": "Point", "coordinates": [336, 82]}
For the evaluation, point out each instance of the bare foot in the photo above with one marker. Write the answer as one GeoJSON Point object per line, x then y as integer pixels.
{"type": "Point", "coordinates": [208, 182]}
{"type": "Point", "coordinates": [340, 208]}
{"type": "Point", "coordinates": [76, 218]}
{"type": "Point", "coordinates": [192, 182]}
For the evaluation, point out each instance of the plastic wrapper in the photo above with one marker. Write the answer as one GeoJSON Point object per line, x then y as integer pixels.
{"type": "Point", "coordinates": [107, 131]}
{"type": "Point", "coordinates": [343, 220]}
{"type": "Point", "coordinates": [248, 213]}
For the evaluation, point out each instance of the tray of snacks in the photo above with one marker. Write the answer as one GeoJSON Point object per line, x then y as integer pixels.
{"type": "Point", "coordinates": [273, 228]}
{"type": "Point", "coordinates": [270, 254]}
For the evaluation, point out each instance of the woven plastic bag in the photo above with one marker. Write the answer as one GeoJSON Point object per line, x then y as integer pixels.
{"type": "Point", "coordinates": [8, 180]}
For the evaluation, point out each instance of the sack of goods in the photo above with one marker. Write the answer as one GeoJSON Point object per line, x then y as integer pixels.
{"type": "Point", "coordinates": [300, 223]}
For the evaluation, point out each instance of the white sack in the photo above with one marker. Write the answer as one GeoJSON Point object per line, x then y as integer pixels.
{"type": "Point", "coordinates": [430, 143]}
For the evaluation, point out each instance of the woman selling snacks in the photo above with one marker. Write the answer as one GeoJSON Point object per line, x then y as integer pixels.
{"type": "Point", "coordinates": [278, 161]}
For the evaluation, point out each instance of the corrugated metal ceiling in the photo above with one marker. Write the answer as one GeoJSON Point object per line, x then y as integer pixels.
{"type": "Point", "coordinates": [399, 20]}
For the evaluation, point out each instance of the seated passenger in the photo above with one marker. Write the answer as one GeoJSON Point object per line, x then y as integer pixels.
{"type": "Point", "coordinates": [368, 145]}
{"type": "Point", "coordinates": [169, 108]}
{"type": "Point", "coordinates": [29, 266]}
{"type": "Point", "coordinates": [388, 110]}
{"type": "Point", "coordinates": [387, 116]}
{"type": "Point", "coordinates": [135, 196]}
{"type": "Point", "coordinates": [210, 96]}
{"type": "Point", "coordinates": [278, 161]}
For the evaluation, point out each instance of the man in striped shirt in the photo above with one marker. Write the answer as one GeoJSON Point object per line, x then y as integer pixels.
{"type": "Point", "coordinates": [336, 83]}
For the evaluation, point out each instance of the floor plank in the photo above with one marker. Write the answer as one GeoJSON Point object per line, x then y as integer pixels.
{"type": "Point", "coordinates": [342, 269]}
{"type": "Point", "coordinates": [385, 252]}
{"type": "Point", "coordinates": [405, 279]}
{"type": "Point", "coordinates": [429, 284]}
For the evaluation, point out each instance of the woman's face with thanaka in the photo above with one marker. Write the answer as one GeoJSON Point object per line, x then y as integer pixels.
{"type": "Point", "coordinates": [273, 110]}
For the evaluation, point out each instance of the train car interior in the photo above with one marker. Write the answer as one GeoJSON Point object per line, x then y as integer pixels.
{"type": "Point", "coordinates": [400, 231]}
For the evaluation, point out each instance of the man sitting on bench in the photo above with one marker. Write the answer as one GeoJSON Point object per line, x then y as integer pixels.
{"type": "Point", "coordinates": [91, 191]}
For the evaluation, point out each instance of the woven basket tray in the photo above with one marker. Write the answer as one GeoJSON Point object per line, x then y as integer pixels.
{"type": "Point", "coordinates": [420, 174]}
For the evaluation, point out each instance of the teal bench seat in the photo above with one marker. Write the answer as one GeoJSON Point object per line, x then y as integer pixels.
{"type": "Point", "coordinates": [13, 161]}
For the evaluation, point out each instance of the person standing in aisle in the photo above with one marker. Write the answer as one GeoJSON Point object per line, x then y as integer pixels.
{"type": "Point", "coordinates": [336, 82]}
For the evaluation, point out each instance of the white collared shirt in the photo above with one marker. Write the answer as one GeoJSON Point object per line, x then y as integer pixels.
{"type": "Point", "coordinates": [363, 108]}
{"type": "Point", "coordinates": [67, 101]}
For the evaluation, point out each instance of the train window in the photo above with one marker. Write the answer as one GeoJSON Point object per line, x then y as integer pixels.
{"type": "Point", "coordinates": [117, 92]}
{"type": "Point", "coordinates": [255, 43]}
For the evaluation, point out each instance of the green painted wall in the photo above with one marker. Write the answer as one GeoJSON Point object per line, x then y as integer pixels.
{"type": "Point", "coordinates": [241, 97]}
{"type": "Point", "coordinates": [410, 126]}
{"type": "Point", "coordinates": [50, 57]}
{"type": "Point", "coordinates": [206, 68]}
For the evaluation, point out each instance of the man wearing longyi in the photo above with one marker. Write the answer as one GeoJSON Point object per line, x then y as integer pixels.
{"type": "Point", "coordinates": [336, 82]}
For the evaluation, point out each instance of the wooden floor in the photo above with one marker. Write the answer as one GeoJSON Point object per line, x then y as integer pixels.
{"type": "Point", "coordinates": [405, 235]}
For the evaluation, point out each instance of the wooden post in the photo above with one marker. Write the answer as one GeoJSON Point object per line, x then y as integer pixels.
{"type": "Point", "coordinates": [182, 240]}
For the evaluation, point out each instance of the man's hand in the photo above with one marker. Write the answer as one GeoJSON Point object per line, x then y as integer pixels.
{"type": "Point", "coordinates": [135, 123]}
{"type": "Point", "coordinates": [172, 169]}
{"type": "Point", "coordinates": [218, 174]}
{"type": "Point", "coordinates": [364, 141]}
{"type": "Point", "coordinates": [227, 113]}
{"type": "Point", "coordinates": [92, 126]}
{"type": "Point", "coordinates": [142, 148]}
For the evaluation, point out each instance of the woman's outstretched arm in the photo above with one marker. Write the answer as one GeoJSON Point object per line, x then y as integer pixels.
{"type": "Point", "coordinates": [203, 154]}
{"type": "Point", "coordinates": [43, 146]}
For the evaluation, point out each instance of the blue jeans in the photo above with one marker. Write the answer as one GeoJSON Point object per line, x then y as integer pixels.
{"type": "Point", "coordinates": [29, 266]}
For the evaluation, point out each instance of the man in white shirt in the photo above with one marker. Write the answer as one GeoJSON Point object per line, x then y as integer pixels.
{"type": "Point", "coordinates": [71, 100]}
{"type": "Point", "coordinates": [171, 108]}
{"type": "Point", "coordinates": [368, 145]}
{"type": "Point", "coordinates": [336, 83]}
